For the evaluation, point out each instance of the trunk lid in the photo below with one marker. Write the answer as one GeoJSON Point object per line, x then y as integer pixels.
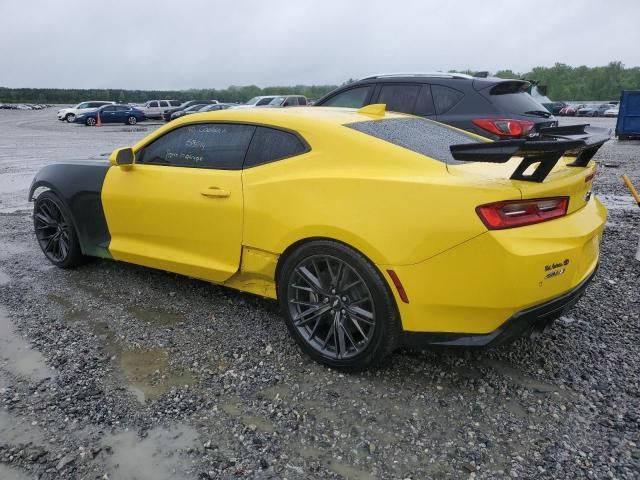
{"type": "Point", "coordinates": [563, 181]}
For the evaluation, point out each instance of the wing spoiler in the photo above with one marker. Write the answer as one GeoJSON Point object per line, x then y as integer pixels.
{"type": "Point", "coordinates": [582, 141]}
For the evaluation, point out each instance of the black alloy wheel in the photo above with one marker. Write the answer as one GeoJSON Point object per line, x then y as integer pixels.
{"type": "Point", "coordinates": [55, 233]}
{"type": "Point", "coordinates": [337, 306]}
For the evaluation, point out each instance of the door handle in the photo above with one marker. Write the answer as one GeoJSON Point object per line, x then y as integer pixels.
{"type": "Point", "coordinates": [215, 192]}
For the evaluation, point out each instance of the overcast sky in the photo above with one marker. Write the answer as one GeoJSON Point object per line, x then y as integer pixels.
{"type": "Point", "coordinates": [154, 44]}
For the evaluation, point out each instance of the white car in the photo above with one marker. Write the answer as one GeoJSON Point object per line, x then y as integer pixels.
{"type": "Point", "coordinates": [70, 114]}
{"type": "Point", "coordinates": [157, 108]}
{"type": "Point", "coordinates": [612, 112]}
{"type": "Point", "coordinates": [259, 101]}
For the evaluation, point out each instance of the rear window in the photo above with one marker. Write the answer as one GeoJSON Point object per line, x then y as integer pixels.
{"type": "Point", "coordinates": [418, 135]}
{"type": "Point", "coordinates": [520, 103]}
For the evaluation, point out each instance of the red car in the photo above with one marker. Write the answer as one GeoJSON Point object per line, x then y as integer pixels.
{"type": "Point", "coordinates": [570, 110]}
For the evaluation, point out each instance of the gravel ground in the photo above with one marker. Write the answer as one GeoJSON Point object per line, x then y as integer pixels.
{"type": "Point", "coordinates": [117, 371]}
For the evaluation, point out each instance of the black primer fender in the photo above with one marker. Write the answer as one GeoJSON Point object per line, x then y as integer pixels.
{"type": "Point", "coordinates": [79, 185]}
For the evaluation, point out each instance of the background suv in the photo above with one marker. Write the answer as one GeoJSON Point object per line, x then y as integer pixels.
{"type": "Point", "coordinates": [492, 107]}
{"type": "Point", "coordinates": [156, 108]}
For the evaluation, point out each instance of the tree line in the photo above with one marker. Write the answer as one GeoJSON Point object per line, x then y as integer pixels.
{"type": "Point", "coordinates": [233, 94]}
{"type": "Point", "coordinates": [563, 82]}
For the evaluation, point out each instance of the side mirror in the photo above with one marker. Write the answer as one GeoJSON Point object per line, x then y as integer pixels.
{"type": "Point", "coordinates": [124, 157]}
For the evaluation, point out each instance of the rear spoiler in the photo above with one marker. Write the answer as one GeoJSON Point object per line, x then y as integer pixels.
{"type": "Point", "coordinates": [545, 151]}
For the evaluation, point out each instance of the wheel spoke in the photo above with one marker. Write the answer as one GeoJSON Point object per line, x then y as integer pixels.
{"type": "Point", "coordinates": [311, 280]}
{"type": "Point", "coordinates": [358, 327]}
{"type": "Point", "coordinates": [303, 318]}
{"type": "Point", "coordinates": [341, 347]}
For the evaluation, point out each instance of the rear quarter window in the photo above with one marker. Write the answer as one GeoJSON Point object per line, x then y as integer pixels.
{"type": "Point", "coordinates": [419, 135]}
{"type": "Point", "coordinates": [445, 98]}
{"type": "Point", "coordinates": [270, 144]}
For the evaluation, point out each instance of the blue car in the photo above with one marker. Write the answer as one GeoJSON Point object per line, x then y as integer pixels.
{"type": "Point", "coordinates": [112, 114]}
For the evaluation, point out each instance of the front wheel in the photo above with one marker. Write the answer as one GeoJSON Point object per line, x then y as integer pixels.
{"type": "Point", "coordinates": [70, 118]}
{"type": "Point", "coordinates": [132, 120]}
{"type": "Point", "coordinates": [55, 232]}
{"type": "Point", "coordinates": [337, 306]}
{"type": "Point", "coordinates": [90, 122]}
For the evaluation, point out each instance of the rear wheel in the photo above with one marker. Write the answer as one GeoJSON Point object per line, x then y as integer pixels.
{"type": "Point", "coordinates": [55, 232]}
{"type": "Point", "coordinates": [337, 306]}
{"type": "Point", "coordinates": [132, 120]}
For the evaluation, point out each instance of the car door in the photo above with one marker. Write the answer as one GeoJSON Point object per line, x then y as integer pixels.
{"type": "Point", "coordinates": [152, 109]}
{"type": "Point", "coordinates": [180, 206]}
{"type": "Point", "coordinates": [108, 114]}
{"type": "Point", "coordinates": [163, 107]}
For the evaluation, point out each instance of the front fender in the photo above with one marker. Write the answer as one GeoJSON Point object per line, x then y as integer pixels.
{"type": "Point", "coordinates": [79, 186]}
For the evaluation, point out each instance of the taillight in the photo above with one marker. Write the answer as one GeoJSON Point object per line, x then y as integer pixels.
{"type": "Point", "coordinates": [505, 127]}
{"type": "Point", "coordinates": [518, 213]}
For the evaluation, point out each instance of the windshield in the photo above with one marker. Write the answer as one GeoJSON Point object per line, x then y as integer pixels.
{"type": "Point", "coordinates": [253, 101]}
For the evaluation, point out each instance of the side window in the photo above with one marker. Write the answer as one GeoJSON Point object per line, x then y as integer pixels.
{"type": "Point", "coordinates": [164, 104]}
{"type": "Point", "coordinates": [83, 105]}
{"type": "Point", "coordinates": [174, 103]}
{"type": "Point", "coordinates": [399, 98]}
{"type": "Point", "coordinates": [302, 101]}
{"type": "Point", "coordinates": [264, 101]}
{"type": "Point", "coordinates": [95, 105]}
{"type": "Point", "coordinates": [424, 105]}
{"type": "Point", "coordinates": [153, 104]}
{"type": "Point", "coordinates": [204, 145]}
{"type": "Point", "coordinates": [109, 109]}
{"type": "Point", "coordinates": [291, 102]}
{"type": "Point", "coordinates": [269, 145]}
{"type": "Point", "coordinates": [122, 108]}
{"type": "Point", "coordinates": [352, 98]}
{"type": "Point", "coordinates": [445, 98]}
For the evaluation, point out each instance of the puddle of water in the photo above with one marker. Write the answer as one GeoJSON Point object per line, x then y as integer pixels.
{"type": "Point", "coordinates": [156, 317]}
{"type": "Point", "coordinates": [349, 472]}
{"type": "Point", "coordinates": [16, 354]}
{"type": "Point", "coordinates": [157, 456]}
{"type": "Point", "coordinates": [12, 473]}
{"type": "Point", "coordinates": [261, 424]}
{"type": "Point", "coordinates": [4, 278]}
{"type": "Point", "coordinates": [520, 379]}
{"type": "Point", "coordinates": [618, 202]}
{"type": "Point", "coordinates": [14, 430]}
{"type": "Point", "coordinates": [147, 373]}
{"type": "Point", "coordinates": [8, 249]}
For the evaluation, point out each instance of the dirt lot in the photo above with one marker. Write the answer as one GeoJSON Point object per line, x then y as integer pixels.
{"type": "Point", "coordinates": [117, 371]}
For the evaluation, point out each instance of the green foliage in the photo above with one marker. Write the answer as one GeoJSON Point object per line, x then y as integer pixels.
{"type": "Point", "coordinates": [232, 94]}
{"type": "Point", "coordinates": [563, 82]}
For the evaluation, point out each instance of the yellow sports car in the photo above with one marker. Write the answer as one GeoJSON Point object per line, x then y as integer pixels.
{"type": "Point", "coordinates": [373, 230]}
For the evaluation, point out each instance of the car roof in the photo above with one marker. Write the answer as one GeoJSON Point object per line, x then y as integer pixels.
{"type": "Point", "coordinates": [294, 118]}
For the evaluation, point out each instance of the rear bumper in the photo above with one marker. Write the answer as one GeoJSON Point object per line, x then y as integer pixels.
{"type": "Point", "coordinates": [526, 323]}
{"type": "Point", "coordinates": [475, 287]}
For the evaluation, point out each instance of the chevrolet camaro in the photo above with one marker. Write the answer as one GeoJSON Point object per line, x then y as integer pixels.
{"type": "Point", "coordinates": [373, 230]}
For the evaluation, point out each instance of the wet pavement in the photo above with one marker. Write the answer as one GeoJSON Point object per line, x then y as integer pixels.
{"type": "Point", "coordinates": [117, 371]}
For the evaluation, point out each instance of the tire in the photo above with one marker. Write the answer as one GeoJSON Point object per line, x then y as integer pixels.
{"type": "Point", "coordinates": [90, 122]}
{"type": "Point", "coordinates": [55, 231]}
{"type": "Point", "coordinates": [347, 317]}
{"type": "Point", "coordinates": [132, 120]}
{"type": "Point", "coordinates": [70, 118]}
